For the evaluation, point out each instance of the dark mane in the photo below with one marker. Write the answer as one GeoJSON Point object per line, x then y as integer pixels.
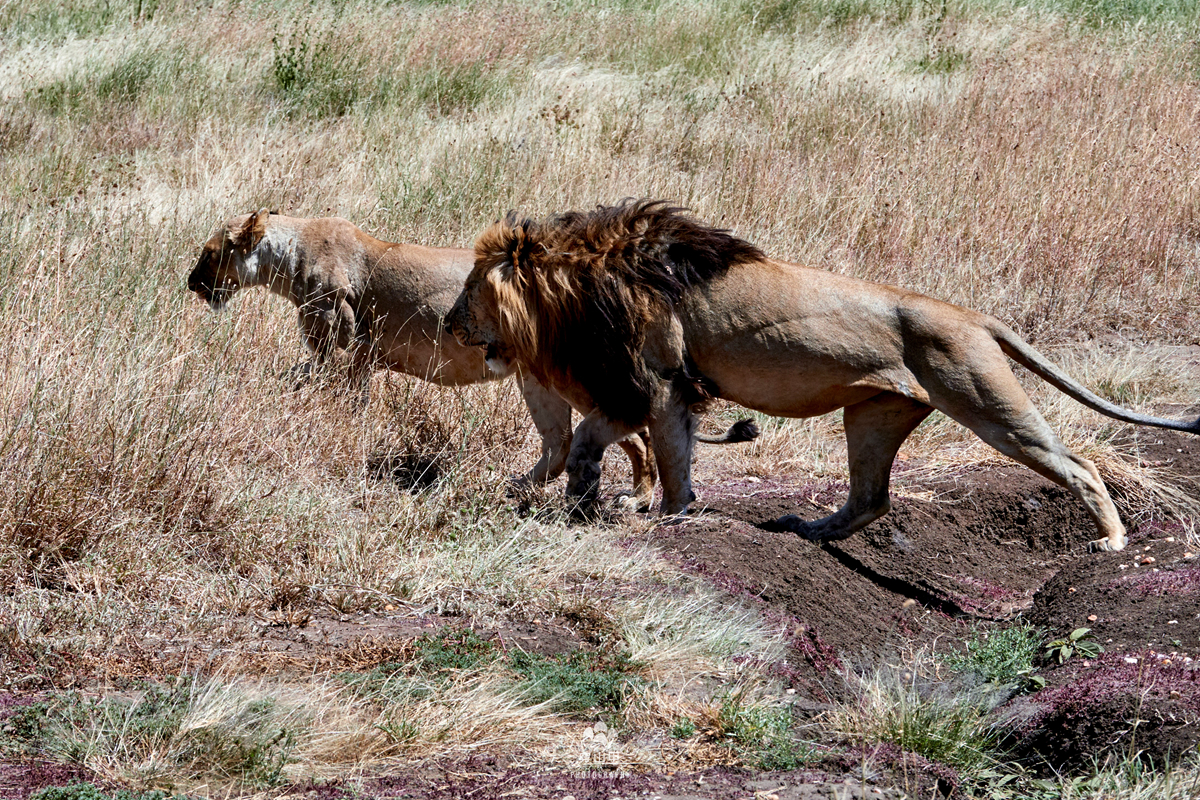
{"type": "Point", "coordinates": [596, 280]}
{"type": "Point", "coordinates": [650, 245]}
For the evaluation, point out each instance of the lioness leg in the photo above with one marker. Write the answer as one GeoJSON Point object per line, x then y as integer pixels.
{"type": "Point", "coordinates": [875, 429]}
{"type": "Point", "coordinates": [327, 328]}
{"type": "Point", "coordinates": [1016, 428]}
{"type": "Point", "coordinates": [593, 434]}
{"type": "Point", "coordinates": [641, 458]}
{"type": "Point", "coordinates": [552, 418]}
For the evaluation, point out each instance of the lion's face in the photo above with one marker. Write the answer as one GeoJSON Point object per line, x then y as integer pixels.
{"type": "Point", "coordinates": [216, 277]}
{"type": "Point", "coordinates": [474, 320]}
{"type": "Point", "coordinates": [222, 268]}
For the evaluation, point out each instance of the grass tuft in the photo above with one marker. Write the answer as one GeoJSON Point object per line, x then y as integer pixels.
{"type": "Point", "coordinates": [1002, 656]}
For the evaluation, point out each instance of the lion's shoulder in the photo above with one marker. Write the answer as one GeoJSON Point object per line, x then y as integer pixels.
{"type": "Point", "coordinates": [586, 290]}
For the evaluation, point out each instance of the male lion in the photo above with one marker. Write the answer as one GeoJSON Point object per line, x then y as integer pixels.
{"type": "Point", "coordinates": [641, 311]}
{"type": "Point", "coordinates": [372, 303]}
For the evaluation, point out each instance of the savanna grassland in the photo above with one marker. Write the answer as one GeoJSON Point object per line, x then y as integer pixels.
{"type": "Point", "coordinates": [170, 506]}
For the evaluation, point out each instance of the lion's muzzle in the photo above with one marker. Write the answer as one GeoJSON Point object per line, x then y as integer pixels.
{"type": "Point", "coordinates": [204, 282]}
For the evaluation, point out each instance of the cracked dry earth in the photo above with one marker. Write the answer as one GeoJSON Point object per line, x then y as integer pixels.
{"type": "Point", "coordinates": [992, 545]}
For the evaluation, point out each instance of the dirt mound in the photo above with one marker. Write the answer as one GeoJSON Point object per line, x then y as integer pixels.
{"type": "Point", "coordinates": [487, 777]}
{"type": "Point", "coordinates": [989, 545]}
{"type": "Point", "coordinates": [1120, 704]}
{"type": "Point", "coordinates": [20, 779]}
{"type": "Point", "coordinates": [979, 551]}
{"type": "Point", "coordinates": [1146, 597]}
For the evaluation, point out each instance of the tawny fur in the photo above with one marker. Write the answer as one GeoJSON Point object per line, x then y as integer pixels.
{"type": "Point", "coordinates": [692, 308]}
{"type": "Point", "coordinates": [366, 304]}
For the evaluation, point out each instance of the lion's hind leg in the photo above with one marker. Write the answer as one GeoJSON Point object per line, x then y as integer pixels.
{"type": "Point", "coordinates": [1002, 415]}
{"type": "Point", "coordinates": [875, 429]}
{"type": "Point", "coordinates": [641, 458]}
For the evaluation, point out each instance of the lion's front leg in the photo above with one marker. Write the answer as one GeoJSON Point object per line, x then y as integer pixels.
{"type": "Point", "coordinates": [328, 327]}
{"type": "Point", "coordinates": [593, 434]}
{"type": "Point", "coordinates": [672, 430]}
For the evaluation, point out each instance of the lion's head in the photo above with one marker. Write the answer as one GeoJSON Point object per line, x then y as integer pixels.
{"type": "Point", "coordinates": [572, 297]}
{"type": "Point", "coordinates": [222, 268]}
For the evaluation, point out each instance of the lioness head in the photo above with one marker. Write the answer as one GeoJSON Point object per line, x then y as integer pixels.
{"type": "Point", "coordinates": [222, 268]}
{"type": "Point", "coordinates": [493, 311]}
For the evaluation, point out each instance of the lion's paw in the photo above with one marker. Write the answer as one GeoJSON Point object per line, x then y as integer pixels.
{"type": "Point", "coordinates": [631, 503]}
{"type": "Point", "coordinates": [802, 528]}
{"type": "Point", "coordinates": [1106, 546]}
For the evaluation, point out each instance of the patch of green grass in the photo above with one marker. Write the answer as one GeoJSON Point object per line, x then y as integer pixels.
{"type": "Point", "coordinates": [683, 728]}
{"type": "Point", "coordinates": [763, 735]}
{"type": "Point", "coordinates": [436, 656]}
{"type": "Point", "coordinates": [943, 62]}
{"type": "Point", "coordinates": [54, 20]}
{"type": "Point", "coordinates": [577, 682]}
{"type": "Point", "coordinates": [88, 791]}
{"type": "Point", "coordinates": [204, 732]}
{"type": "Point", "coordinates": [146, 73]}
{"type": "Point", "coordinates": [440, 89]}
{"type": "Point", "coordinates": [1002, 656]}
{"type": "Point", "coordinates": [23, 729]}
{"type": "Point", "coordinates": [457, 649]}
{"type": "Point", "coordinates": [790, 15]}
{"type": "Point", "coordinates": [321, 75]}
{"type": "Point", "coordinates": [1101, 13]}
{"type": "Point", "coordinates": [951, 733]}
{"type": "Point", "coordinates": [316, 73]}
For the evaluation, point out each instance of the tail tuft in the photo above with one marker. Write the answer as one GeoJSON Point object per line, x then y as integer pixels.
{"type": "Point", "coordinates": [744, 430]}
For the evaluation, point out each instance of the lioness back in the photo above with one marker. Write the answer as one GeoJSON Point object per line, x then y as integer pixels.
{"type": "Point", "coordinates": [402, 293]}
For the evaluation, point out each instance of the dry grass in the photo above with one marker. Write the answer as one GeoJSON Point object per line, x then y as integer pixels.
{"type": "Point", "coordinates": [157, 478]}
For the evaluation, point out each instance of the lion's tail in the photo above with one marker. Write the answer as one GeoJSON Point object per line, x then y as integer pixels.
{"type": "Point", "coordinates": [1020, 351]}
{"type": "Point", "coordinates": [744, 430]}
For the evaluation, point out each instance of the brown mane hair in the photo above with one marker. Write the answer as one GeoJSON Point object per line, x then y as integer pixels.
{"type": "Point", "coordinates": [575, 292]}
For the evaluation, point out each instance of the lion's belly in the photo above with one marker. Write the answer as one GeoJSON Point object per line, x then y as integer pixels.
{"type": "Point", "coordinates": [801, 387]}
{"type": "Point", "coordinates": [797, 348]}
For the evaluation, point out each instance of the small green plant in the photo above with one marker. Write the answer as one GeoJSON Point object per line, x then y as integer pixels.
{"type": "Point", "coordinates": [88, 791]}
{"type": "Point", "coordinates": [23, 729]}
{"type": "Point", "coordinates": [1000, 656]}
{"type": "Point", "coordinates": [763, 735]}
{"type": "Point", "coordinates": [576, 682]}
{"type": "Point", "coordinates": [1079, 641]}
{"type": "Point", "coordinates": [436, 656]}
{"type": "Point", "coordinates": [683, 728]}
{"type": "Point", "coordinates": [452, 649]}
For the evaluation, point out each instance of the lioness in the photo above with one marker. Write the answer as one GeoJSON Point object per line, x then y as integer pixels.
{"type": "Point", "coordinates": [690, 310]}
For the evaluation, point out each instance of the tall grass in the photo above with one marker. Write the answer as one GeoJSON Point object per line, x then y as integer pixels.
{"type": "Point", "coordinates": [157, 474]}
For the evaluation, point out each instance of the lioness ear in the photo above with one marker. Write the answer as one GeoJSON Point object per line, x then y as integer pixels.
{"type": "Point", "coordinates": [250, 234]}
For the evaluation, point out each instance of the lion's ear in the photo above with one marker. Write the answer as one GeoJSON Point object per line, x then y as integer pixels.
{"type": "Point", "coordinates": [250, 234]}
{"type": "Point", "coordinates": [507, 246]}
{"type": "Point", "coordinates": [523, 244]}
